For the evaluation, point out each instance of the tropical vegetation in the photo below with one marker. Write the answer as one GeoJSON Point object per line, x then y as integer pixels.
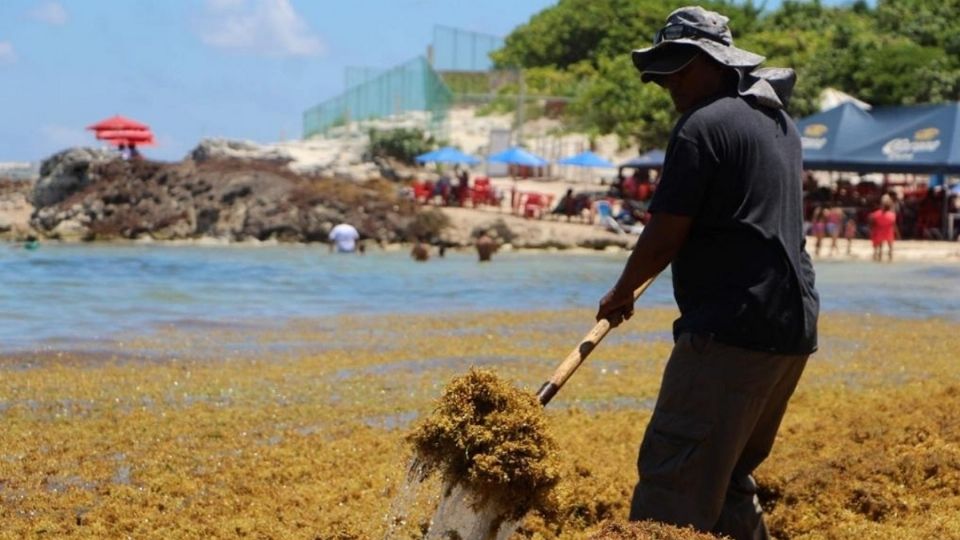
{"type": "Point", "coordinates": [890, 52]}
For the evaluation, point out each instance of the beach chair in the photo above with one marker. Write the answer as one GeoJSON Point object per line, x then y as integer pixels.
{"type": "Point", "coordinates": [422, 191]}
{"type": "Point", "coordinates": [482, 192]}
{"type": "Point", "coordinates": [535, 204]}
{"type": "Point", "coordinates": [604, 211]}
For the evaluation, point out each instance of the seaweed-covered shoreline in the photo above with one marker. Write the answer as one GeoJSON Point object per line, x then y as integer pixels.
{"type": "Point", "coordinates": [309, 442]}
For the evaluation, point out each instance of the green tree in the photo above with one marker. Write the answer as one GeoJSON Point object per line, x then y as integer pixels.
{"type": "Point", "coordinates": [901, 52]}
{"type": "Point", "coordinates": [905, 73]}
{"type": "Point", "coordinates": [617, 101]}
{"type": "Point", "coordinates": [403, 144]}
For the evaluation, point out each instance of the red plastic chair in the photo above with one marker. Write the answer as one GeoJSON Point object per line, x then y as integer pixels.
{"type": "Point", "coordinates": [482, 192]}
{"type": "Point", "coordinates": [422, 191]}
{"type": "Point", "coordinates": [534, 204]}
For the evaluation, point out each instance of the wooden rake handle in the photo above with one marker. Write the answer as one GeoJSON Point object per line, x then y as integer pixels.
{"type": "Point", "coordinates": [576, 357]}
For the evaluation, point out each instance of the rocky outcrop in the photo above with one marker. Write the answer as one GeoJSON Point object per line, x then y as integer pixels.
{"type": "Point", "coordinates": [336, 158]}
{"type": "Point", "coordinates": [66, 172]}
{"type": "Point", "coordinates": [226, 199]}
{"type": "Point", "coordinates": [223, 149]}
{"type": "Point", "coordinates": [84, 195]}
{"type": "Point", "coordinates": [15, 208]}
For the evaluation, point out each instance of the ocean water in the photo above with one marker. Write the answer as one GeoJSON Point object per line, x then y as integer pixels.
{"type": "Point", "coordinates": [66, 296]}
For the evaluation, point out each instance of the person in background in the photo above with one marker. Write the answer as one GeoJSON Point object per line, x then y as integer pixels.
{"type": "Point", "coordinates": [463, 187]}
{"type": "Point", "coordinates": [819, 227]}
{"type": "Point", "coordinates": [728, 217]}
{"type": "Point", "coordinates": [567, 205]}
{"type": "Point", "coordinates": [850, 231]}
{"type": "Point", "coordinates": [883, 228]}
{"type": "Point", "coordinates": [31, 243]}
{"type": "Point", "coordinates": [834, 220]}
{"type": "Point", "coordinates": [420, 252]}
{"type": "Point", "coordinates": [628, 189]}
{"type": "Point", "coordinates": [443, 189]}
{"type": "Point", "coordinates": [343, 238]}
{"type": "Point", "coordinates": [486, 246]}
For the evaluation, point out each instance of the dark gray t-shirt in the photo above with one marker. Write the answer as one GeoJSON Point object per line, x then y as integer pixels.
{"type": "Point", "coordinates": [743, 275]}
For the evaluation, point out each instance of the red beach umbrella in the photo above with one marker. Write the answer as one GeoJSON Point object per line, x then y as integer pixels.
{"type": "Point", "coordinates": [118, 123]}
{"type": "Point", "coordinates": [139, 142]}
{"type": "Point", "coordinates": [125, 134]}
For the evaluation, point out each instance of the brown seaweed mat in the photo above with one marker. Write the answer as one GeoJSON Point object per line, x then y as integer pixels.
{"type": "Point", "coordinates": [300, 432]}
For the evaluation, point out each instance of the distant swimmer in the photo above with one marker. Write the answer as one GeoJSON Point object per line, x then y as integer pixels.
{"type": "Point", "coordinates": [419, 252]}
{"type": "Point", "coordinates": [31, 244]}
{"type": "Point", "coordinates": [486, 247]}
{"type": "Point", "coordinates": [344, 238]}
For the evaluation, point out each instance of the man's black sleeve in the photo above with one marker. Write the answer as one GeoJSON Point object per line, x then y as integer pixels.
{"type": "Point", "coordinates": [687, 173]}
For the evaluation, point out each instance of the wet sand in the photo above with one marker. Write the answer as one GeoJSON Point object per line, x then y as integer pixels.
{"type": "Point", "coordinates": [308, 441]}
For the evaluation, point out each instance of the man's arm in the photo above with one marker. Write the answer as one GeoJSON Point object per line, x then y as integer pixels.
{"type": "Point", "coordinates": [657, 246]}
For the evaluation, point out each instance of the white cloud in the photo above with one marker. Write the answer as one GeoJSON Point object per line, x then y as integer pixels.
{"type": "Point", "coordinates": [66, 136]}
{"type": "Point", "coordinates": [50, 13]}
{"type": "Point", "coordinates": [268, 27]}
{"type": "Point", "coordinates": [7, 54]}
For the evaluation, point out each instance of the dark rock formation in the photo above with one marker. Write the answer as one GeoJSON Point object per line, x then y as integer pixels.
{"type": "Point", "coordinates": [89, 198]}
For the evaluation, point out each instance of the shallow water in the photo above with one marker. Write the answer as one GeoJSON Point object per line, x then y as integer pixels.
{"type": "Point", "coordinates": [80, 296]}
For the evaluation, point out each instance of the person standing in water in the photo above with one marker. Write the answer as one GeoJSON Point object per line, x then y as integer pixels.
{"type": "Point", "coordinates": [728, 216]}
{"type": "Point", "coordinates": [343, 238]}
{"type": "Point", "coordinates": [486, 246]}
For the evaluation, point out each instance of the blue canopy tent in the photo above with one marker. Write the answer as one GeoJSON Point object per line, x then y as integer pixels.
{"type": "Point", "coordinates": [919, 139]}
{"type": "Point", "coordinates": [915, 139]}
{"type": "Point", "coordinates": [447, 154]}
{"type": "Point", "coordinates": [649, 160]}
{"type": "Point", "coordinates": [646, 161]}
{"type": "Point", "coordinates": [822, 134]}
{"type": "Point", "coordinates": [517, 156]}
{"type": "Point", "coordinates": [586, 159]}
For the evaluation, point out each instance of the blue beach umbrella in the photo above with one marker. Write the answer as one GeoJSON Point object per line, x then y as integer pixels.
{"type": "Point", "coordinates": [517, 156]}
{"type": "Point", "coordinates": [586, 159]}
{"type": "Point", "coordinates": [447, 154]}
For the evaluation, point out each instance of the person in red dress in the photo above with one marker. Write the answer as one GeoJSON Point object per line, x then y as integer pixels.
{"type": "Point", "coordinates": [883, 228]}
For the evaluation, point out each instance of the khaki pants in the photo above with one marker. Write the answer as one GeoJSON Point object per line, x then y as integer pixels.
{"type": "Point", "coordinates": [715, 421]}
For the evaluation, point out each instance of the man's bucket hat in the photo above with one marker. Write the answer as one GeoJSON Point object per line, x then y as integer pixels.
{"type": "Point", "coordinates": [697, 30]}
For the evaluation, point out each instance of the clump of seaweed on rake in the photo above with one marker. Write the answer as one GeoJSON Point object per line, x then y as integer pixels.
{"type": "Point", "coordinates": [493, 440]}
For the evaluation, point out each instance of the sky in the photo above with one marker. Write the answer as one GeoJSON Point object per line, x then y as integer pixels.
{"type": "Point", "coordinates": [241, 69]}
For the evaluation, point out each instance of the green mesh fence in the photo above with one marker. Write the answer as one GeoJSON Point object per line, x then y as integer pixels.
{"type": "Point", "coordinates": [462, 56]}
{"type": "Point", "coordinates": [411, 86]}
{"type": "Point", "coordinates": [461, 50]}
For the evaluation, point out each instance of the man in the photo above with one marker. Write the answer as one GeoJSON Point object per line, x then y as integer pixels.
{"type": "Point", "coordinates": [728, 215]}
{"type": "Point", "coordinates": [486, 246]}
{"type": "Point", "coordinates": [344, 238]}
{"type": "Point", "coordinates": [420, 252]}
